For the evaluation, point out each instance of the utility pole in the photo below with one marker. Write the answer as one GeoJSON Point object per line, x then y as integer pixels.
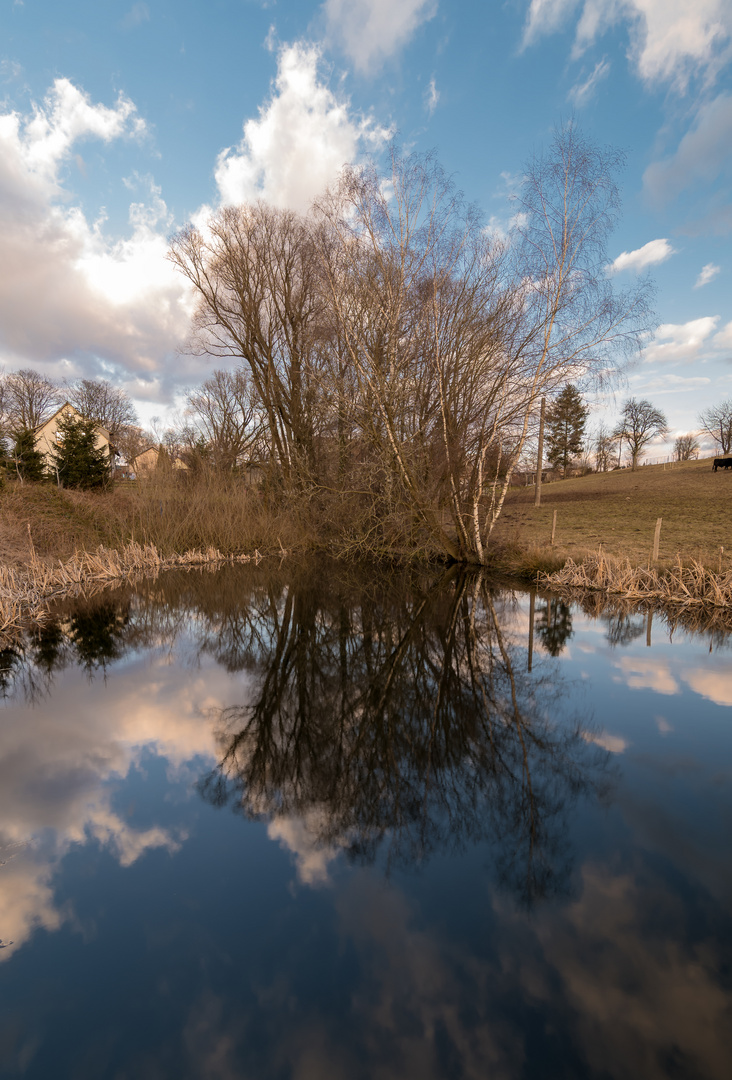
{"type": "Point", "coordinates": [540, 455]}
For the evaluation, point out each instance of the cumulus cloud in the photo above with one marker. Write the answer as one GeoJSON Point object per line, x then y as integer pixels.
{"type": "Point", "coordinates": [300, 141]}
{"type": "Point", "coordinates": [670, 40]}
{"type": "Point", "coordinates": [703, 155]}
{"type": "Point", "coordinates": [707, 274]}
{"type": "Point", "coordinates": [370, 31]}
{"type": "Point", "coordinates": [583, 91]}
{"type": "Point", "coordinates": [681, 341]}
{"type": "Point", "coordinates": [72, 298]}
{"type": "Point", "coordinates": [652, 253]}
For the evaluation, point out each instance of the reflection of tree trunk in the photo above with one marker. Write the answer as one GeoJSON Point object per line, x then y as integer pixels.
{"type": "Point", "coordinates": [532, 602]}
{"type": "Point", "coordinates": [649, 620]}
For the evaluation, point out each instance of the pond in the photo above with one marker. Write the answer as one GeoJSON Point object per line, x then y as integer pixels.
{"type": "Point", "coordinates": [312, 820]}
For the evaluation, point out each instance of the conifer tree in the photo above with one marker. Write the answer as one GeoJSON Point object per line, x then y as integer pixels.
{"type": "Point", "coordinates": [78, 461]}
{"type": "Point", "coordinates": [565, 428]}
{"type": "Point", "coordinates": [27, 460]}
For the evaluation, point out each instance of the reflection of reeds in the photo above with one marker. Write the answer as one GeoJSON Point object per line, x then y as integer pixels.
{"type": "Point", "coordinates": [691, 591]}
{"type": "Point", "coordinates": [25, 594]}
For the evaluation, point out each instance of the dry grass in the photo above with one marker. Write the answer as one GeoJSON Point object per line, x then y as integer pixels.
{"type": "Point", "coordinates": [618, 511]}
{"type": "Point", "coordinates": [26, 593]}
{"type": "Point", "coordinates": [690, 585]}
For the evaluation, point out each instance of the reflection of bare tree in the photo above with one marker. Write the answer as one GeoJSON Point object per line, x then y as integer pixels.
{"type": "Point", "coordinates": [390, 710]}
{"type": "Point", "coordinates": [400, 715]}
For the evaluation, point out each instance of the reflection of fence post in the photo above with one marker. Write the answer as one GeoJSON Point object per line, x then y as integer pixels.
{"type": "Point", "coordinates": [554, 526]}
{"type": "Point", "coordinates": [657, 539]}
{"type": "Point", "coordinates": [532, 601]}
{"type": "Point", "coordinates": [540, 455]}
{"type": "Point", "coordinates": [649, 620]}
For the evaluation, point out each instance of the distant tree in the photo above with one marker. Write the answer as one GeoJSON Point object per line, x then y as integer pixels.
{"type": "Point", "coordinates": [639, 423]}
{"type": "Point", "coordinates": [108, 405]}
{"type": "Point", "coordinates": [717, 421]}
{"type": "Point", "coordinates": [222, 409]}
{"type": "Point", "coordinates": [603, 446]}
{"type": "Point", "coordinates": [685, 446]}
{"type": "Point", "coordinates": [132, 440]}
{"type": "Point", "coordinates": [29, 398]}
{"type": "Point", "coordinates": [565, 428]}
{"type": "Point", "coordinates": [26, 459]}
{"type": "Point", "coordinates": [78, 462]}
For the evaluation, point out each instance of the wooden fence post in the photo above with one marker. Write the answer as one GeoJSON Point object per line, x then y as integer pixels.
{"type": "Point", "coordinates": [657, 539]}
{"type": "Point", "coordinates": [554, 526]}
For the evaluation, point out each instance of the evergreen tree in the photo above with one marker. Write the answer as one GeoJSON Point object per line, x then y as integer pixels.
{"type": "Point", "coordinates": [27, 460]}
{"type": "Point", "coordinates": [565, 428]}
{"type": "Point", "coordinates": [77, 460]}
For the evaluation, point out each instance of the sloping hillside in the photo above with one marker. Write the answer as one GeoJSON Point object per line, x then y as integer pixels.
{"type": "Point", "coordinates": [619, 510]}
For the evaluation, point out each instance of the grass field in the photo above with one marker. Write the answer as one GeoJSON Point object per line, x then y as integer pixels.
{"type": "Point", "coordinates": [619, 509]}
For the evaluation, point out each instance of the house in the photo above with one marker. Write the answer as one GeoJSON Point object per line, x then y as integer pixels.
{"type": "Point", "coordinates": [48, 437]}
{"type": "Point", "coordinates": [154, 457]}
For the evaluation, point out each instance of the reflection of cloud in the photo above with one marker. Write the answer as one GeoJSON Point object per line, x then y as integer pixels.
{"type": "Point", "coordinates": [648, 989]}
{"type": "Point", "coordinates": [57, 775]}
{"type": "Point", "coordinates": [648, 674]}
{"type": "Point", "coordinates": [614, 744]}
{"type": "Point", "coordinates": [663, 725]}
{"type": "Point", "coordinates": [300, 836]}
{"type": "Point", "coordinates": [716, 686]}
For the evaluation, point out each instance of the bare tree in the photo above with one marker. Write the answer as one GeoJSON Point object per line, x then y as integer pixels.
{"type": "Point", "coordinates": [454, 336]}
{"type": "Point", "coordinates": [29, 399]}
{"type": "Point", "coordinates": [223, 412]}
{"type": "Point", "coordinates": [108, 405]}
{"type": "Point", "coordinates": [685, 447]}
{"type": "Point", "coordinates": [717, 422]}
{"type": "Point", "coordinates": [603, 446]}
{"type": "Point", "coordinates": [639, 423]}
{"type": "Point", "coordinates": [257, 280]}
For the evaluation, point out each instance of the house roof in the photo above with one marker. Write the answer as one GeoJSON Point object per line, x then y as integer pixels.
{"type": "Point", "coordinates": [67, 404]}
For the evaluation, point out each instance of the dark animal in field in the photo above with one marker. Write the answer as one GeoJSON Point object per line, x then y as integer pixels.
{"type": "Point", "coordinates": [722, 463]}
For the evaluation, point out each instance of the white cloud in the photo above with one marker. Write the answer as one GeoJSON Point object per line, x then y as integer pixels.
{"type": "Point", "coordinates": [370, 31]}
{"type": "Point", "coordinates": [681, 341]}
{"type": "Point", "coordinates": [70, 296]}
{"type": "Point", "coordinates": [582, 92]}
{"type": "Point", "coordinates": [715, 686]}
{"type": "Point", "coordinates": [655, 251]}
{"type": "Point", "coordinates": [704, 153]}
{"type": "Point", "coordinates": [302, 138]}
{"type": "Point", "coordinates": [431, 96]}
{"type": "Point", "coordinates": [670, 40]}
{"type": "Point", "coordinates": [708, 273]}
{"type": "Point", "coordinates": [723, 340]}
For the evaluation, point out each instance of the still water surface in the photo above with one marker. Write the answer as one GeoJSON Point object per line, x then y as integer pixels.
{"type": "Point", "coordinates": [316, 821]}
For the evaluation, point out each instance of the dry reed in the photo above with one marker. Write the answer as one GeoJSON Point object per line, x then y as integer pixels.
{"type": "Point", "coordinates": [25, 594]}
{"type": "Point", "coordinates": [681, 586]}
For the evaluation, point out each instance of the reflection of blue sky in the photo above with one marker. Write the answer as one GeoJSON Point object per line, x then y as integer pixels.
{"type": "Point", "coordinates": [210, 927]}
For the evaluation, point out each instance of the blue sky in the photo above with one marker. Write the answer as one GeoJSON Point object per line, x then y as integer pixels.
{"type": "Point", "coordinates": [120, 121]}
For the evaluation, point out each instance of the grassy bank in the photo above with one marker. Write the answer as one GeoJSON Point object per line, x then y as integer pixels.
{"type": "Point", "coordinates": [50, 538]}
{"type": "Point", "coordinates": [617, 512]}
